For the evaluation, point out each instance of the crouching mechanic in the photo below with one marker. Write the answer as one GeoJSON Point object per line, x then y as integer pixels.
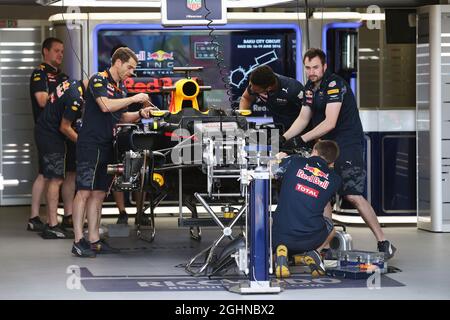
{"type": "Point", "coordinates": [105, 106]}
{"type": "Point", "coordinates": [298, 223]}
{"type": "Point", "coordinates": [54, 130]}
{"type": "Point", "coordinates": [281, 95]}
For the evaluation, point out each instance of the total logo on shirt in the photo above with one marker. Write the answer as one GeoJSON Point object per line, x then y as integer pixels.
{"type": "Point", "coordinates": [307, 190]}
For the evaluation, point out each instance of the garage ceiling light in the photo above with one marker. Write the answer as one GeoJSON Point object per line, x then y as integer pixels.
{"type": "Point", "coordinates": [244, 16]}
{"type": "Point", "coordinates": [97, 3]}
{"type": "Point", "coordinates": [154, 3]}
{"type": "Point", "coordinates": [347, 15]}
{"type": "Point", "coordinates": [233, 16]}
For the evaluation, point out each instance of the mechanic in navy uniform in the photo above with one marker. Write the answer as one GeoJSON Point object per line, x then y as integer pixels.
{"type": "Point", "coordinates": [43, 82]}
{"type": "Point", "coordinates": [299, 225]}
{"type": "Point", "coordinates": [47, 76]}
{"type": "Point", "coordinates": [281, 95]}
{"type": "Point", "coordinates": [55, 128]}
{"type": "Point", "coordinates": [119, 196]}
{"type": "Point", "coordinates": [330, 105]}
{"type": "Point", "coordinates": [106, 105]}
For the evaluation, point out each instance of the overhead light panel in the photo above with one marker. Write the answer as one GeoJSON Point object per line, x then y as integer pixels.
{"type": "Point", "coordinates": [101, 3]}
{"type": "Point", "coordinates": [347, 15]}
{"type": "Point", "coordinates": [254, 4]}
{"type": "Point", "coordinates": [154, 3]}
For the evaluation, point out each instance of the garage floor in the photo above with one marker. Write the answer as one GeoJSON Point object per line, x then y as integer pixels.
{"type": "Point", "coordinates": [33, 268]}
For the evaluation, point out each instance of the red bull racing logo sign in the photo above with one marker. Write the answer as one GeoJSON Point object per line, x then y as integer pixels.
{"type": "Point", "coordinates": [160, 55]}
{"type": "Point", "coordinates": [155, 63]}
{"type": "Point", "coordinates": [194, 5]}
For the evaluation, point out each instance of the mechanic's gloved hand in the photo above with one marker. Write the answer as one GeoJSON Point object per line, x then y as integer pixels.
{"type": "Point", "coordinates": [282, 141]}
{"type": "Point", "coordinates": [293, 145]}
{"type": "Point", "coordinates": [287, 146]}
{"type": "Point", "coordinates": [300, 143]}
{"type": "Point", "coordinates": [301, 147]}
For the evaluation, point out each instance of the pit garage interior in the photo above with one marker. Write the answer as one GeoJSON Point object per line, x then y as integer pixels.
{"type": "Point", "coordinates": [395, 56]}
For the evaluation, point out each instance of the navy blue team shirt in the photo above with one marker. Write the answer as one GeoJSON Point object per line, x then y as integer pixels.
{"type": "Point", "coordinates": [333, 88]}
{"type": "Point", "coordinates": [65, 102]}
{"type": "Point", "coordinates": [285, 102]}
{"type": "Point", "coordinates": [308, 185]}
{"type": "Point", "coordinates": [44, 78]}
{"type": "Point", "coordinates": [98, 126]}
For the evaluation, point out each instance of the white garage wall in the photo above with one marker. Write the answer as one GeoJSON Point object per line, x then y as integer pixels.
{"type": "Point", "coordinates": [20, 53]}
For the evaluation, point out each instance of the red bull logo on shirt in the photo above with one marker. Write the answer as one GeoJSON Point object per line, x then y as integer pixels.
{"type": "Point", "coordinates": [160, 55]}
{"type": "Point", "coordinates": [316, 171]}
{"type": "Point", "coordinates": [315, 178]}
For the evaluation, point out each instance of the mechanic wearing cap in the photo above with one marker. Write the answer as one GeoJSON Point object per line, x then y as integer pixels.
{"type": "Point", "coordinates": [330, 105]}
{"type": "Point", "coordinates": [54, 129]}
{"type": "Point", "coordinates": [106, 105]}
{"type": "Point", "coordinates": [299, 225]}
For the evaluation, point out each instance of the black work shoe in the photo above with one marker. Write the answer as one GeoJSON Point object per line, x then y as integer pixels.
{"type": "Point", "coordinates": [123, 218]}
{"type": "Point", "coordinates": [102, 247]}
{"type": "Point", "coordinates": [83, 249]}
{"type": "Point", "coordinates": [314, 261]}
{"type": "Point", "coordinates": [387, 248]}
{"type": "Point", "coordinates": [55, 232]}
{"type": "Point", "coordinates": [69, 233]}
{"type": "Point", "coordinates": [35, 224]}
{"type": "Point", "coordinates": [143, 221]}
{"type": "Point", "coordinates": [67, 222]}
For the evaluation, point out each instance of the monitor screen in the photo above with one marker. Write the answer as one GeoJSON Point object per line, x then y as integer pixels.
{"type": "Point", "coordinates": [240, 51]}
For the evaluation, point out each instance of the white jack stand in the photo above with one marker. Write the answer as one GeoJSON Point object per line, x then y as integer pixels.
{"type": "Point", "coordinates": [256, 287]}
